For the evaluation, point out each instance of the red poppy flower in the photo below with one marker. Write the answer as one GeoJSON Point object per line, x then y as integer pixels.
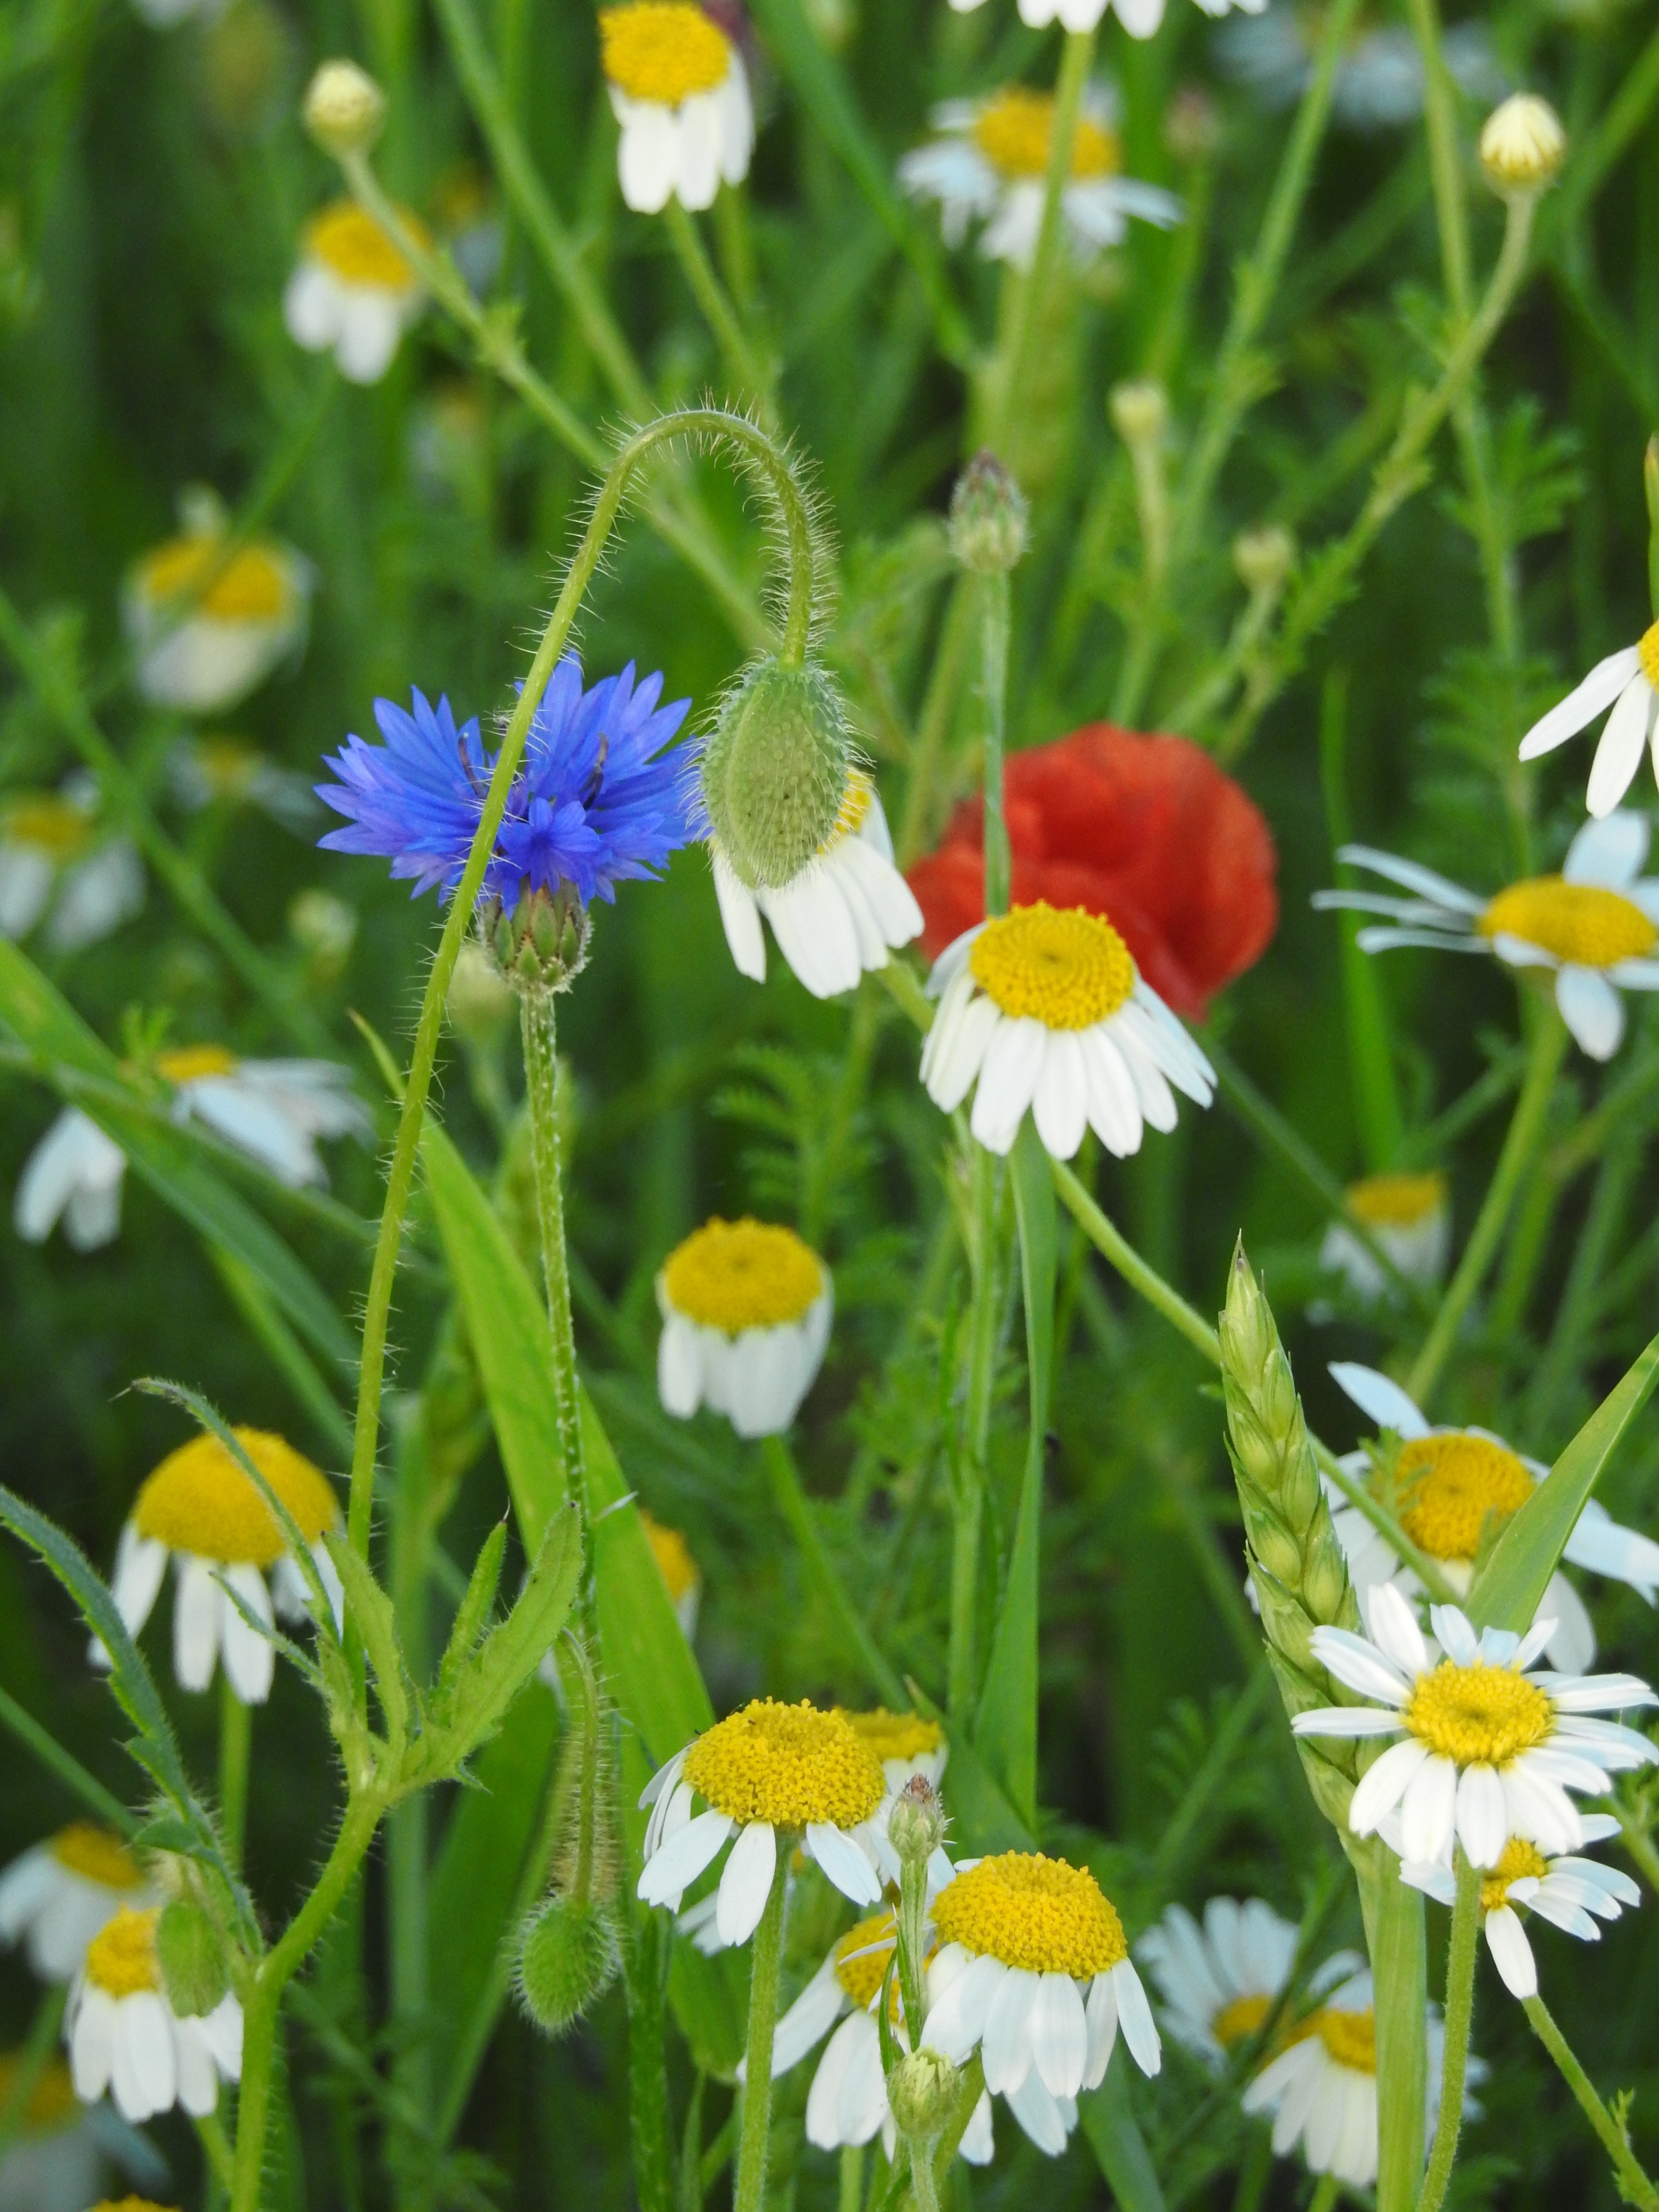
{"type": "Point", "coordinates": [1147, 831]}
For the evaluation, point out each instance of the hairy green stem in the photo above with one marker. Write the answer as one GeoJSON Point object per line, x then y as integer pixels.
{"type": "Point", "coordinates": [1114, 1246]}
{"type": "Point", "coordinates": [235, 1747]}
{"type": "Point", "coordinates": [796, 1507]}
{"type": "Point", "coordinates": [762, 2019]}
{"type": "Point", "coordinates": [1460, 2012]}
{"type": "Point", "coordinates": [537, 1029]}
{"type": "Point", "coordinates": [1394, 1938]}
{"type": "Point", "coordinates": [923, 2185]}
{"type": "Point", "coordinates": [968, 2097]}
{"type": "Point", "coordinates": [643, 1961]}
{"type": "Point", "coordinates": [742, 363]}
{"type": "Point", "coordinates": [1015, 368]}
{"type": "Point", "coordinates": [994, 626]}
{"type": "Point", "coordinates": [1634, 2187]}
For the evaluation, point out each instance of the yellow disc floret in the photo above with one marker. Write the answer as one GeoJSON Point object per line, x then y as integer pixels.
{"type": "Point", "coordinates": [1349, 2037]}
{"type": "Point", "coordinates": [1478, 1714]}
{"type": "Point", "coordinates": [662, 51]}
{"type": "Point", "coordinates": [189, 1063]}
{"type": "Point", "coordinates": [1582, 923]}
{"type": "Point", "coordinates": [121, 1958]}
{"type": "Point", "coordinates": [1237, 2021]}
{"type": "Point", "coordinates": [1450, 1484]}
{"type": "Point", "coordinates": [896, 1735]}
{"type": "Point", "coordinates": [855, 805]}
{"type": "Point", "coordinates": [1064, 967]}
{"type": "Point", "coordinates": [1519, 1861]}
{"type": "Point", "coordinates": [129, 2204]}
{"type": "Point", "coordinates": [734, 1275]}
{"type": "Point", "coordinates": [1396, 1201]}
{"type": "Point", "coordinates": [1648, 649]}
{"type": "Point", "coordinates": [862, 1958]}
{"type": "Point", "coordinates": [255, 584]}
{"type": "Point", "coordinates": [96, 1855]}
{"type": "Point", "coordinates": [351, 245]}
{"type": "Point", "coordinates": [1015, 130]}
{"type": "Point", "coordinates": [47, 823]}
{"type": "Point", "coordinates": [50, 2102]}
{"type": "Point", "coordinates": [673, 1557]}
{"type": "Point", "coordinates": [200, 1500]}
{"type": "Point", "coordinates": [787, 1764]}
{"type": "Point", "coordinates": [1033, 1911]}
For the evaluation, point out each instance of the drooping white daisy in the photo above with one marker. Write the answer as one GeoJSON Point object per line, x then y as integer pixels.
{"type": "Point", "coordinates": [746, 1308]}
{"type": "Point", "coordinates": [201, 1507]}
{"type": "Point", "coordinates": [1379, 79]}
{"type": "Point", "coordinates": [1220, 1983]}
{"type": "Point", "coordinates": [1628, 682]}
{"type": "Point", "coordinates": [74, 1175]}
{"type": "Point", "coordinates": [1139, 18]}
{"type": "Point", "coordinates": [1046, 1009]}
{"type": "Point", "coordinates": [55, 1898]}
{"type": "Point", "coordinates": [207, 625]}
{"type": "Point", "coordinates": [53, 2161]}
{"type": "Point", "coordinates": [1408, 1215]}
{"type": "Point", "coordinates": [223, 771]}
{"type": "Point", "coordinates": [1453, 1488]}
{"type": "Point", "coordinates": [1033, 1969]}
{"type": "Point", "coordinates": [1596, 924]}
{"type": "Point", "coordinates": [680, 94]}
{"type": "Point", "coordinates": [353, 293]}
{"type": "Point", "coordinates": [56, 861]}
{"type": "Point", "coordinates": [988, 165]}
{"type": "Point", "coordinates": [123, 2035]}
{"type": "Point", "coordinates": [1571, 1893]}
{"type": "Point", "coordinates": [1490, 1750]}
{"type": "Point", "coordinates": [767, 1772]}
{"type": "Point", "coordinates": [837, 920]}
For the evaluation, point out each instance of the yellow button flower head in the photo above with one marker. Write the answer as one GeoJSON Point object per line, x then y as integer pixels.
{"type": "Point", "coordinates": [770, 1768]}
{"type": "Point", "coordinates": [680, 92]}
{"type": "Point", "coordinates": [55, 1898]}
{"type": "Point", "coordinates": [746, 1308]}
{"type": "Point", "coordinates": [353, 293]}
{"type": "Point", "coordinates": [123, 2035]}
{"type": "Point", "coordinates": [1572, 1892]}
{"type": "Point", "coordinates": [208, 621]}
{"type": "Point", "coordinates": [203, 1508]}
{"type": "Point", "coordinates": [1222, 1980]}
{"type": "Point", "coordinates": [1408, 1215]}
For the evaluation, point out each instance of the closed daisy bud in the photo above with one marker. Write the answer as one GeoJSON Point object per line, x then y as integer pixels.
{"type": "Point", "coordinates": [568, 1957]}
{"type": "Point", "coordinates": [923, 2093]}
{"type": "Point", "coordinates": [353, 293]}
{"type": "Point", "coordinates": [344, 109]}
{"type": "Point", "coordinates": [746, 1308]}
{"type": "Point", "coordinates": [124, 2036]}
{"type": "Point", "coordinates": [1523, 146]}
{"type": "Point", "coordinates": [915, 1822]}
{"type": "Point", "coordinates": [680, 94]}
{"type": "Point", "coordinates": [989, 520]}
{"type": "Point", "coordinates": [55, 1898]}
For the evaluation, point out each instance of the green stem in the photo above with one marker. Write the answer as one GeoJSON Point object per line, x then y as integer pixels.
{"type": "Point", "coordinates": [970, 1472]}
{"type": "Point", "coordinates": [1326, 2195]}
{"type": "Point", "coordinates": [1548, 1044]}
{"type": "Point", "coordinates": [644, 1945]}
{"type": "Point", "coordinates": [1394, 1938]}
{"type": "Point", "coordinates": [721, 317]}
{"type": "Point", "coordinates": [32, 2063]}
{"type": "Point", "coordinates": [1635, 2186]}
{"type": "Point", "coordinates": [763, 2019]}
{"type": "Point", "coordinates": [797, 1511]}
{"type": "Point", "coordinates": [210, 2134]}
{"type": "Point", "coordinates": [537, 1029]}
{"type": "Point", "coordinates": [968, 2097]}
{"type": "Point", "coordinates": [407, 1840]}
{"type": "Point", "coordinates": [994, 619]}
{"type": "Point", "coordinates": [912, 1946]}
{"type": "Point", "coordinates": [1459, 2011]}
{"type": "Point", "coordinates": [235, 1745]}
{"type": "Point", "coordinates": [1114, 1247]}
{"type": "Point", "coordinates": [1014, 370]}
{"type": "Point", "coordinates": [918, 824]}
{"type": "Point", "coordinates": [850, 2194]}
{"type": "Point", "coordinates": [923, 2186]}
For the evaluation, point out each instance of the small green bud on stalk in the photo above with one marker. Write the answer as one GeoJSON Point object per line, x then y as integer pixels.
{"type": "Point", "coordinates": [916, 1826]}
{"type": "Point", "coordinates": [568, 1956]}
{"type": "Point", "coordinates": [344, 109]}
{"type": "Point", "coordinates": [192, 1958]}
{"type": "Point", "coordinates": [540, 946]}
{"type": "Point", "coordinates": [989, 522]}
{"type": "Point", "coordinates": [775, 770]}
{"type": "Point", "coordinates": [1263, 559]}
{"type": "Point", "coordinates": [922, 2091]}
{"type": "Point", "coordinates": [1139, 412]}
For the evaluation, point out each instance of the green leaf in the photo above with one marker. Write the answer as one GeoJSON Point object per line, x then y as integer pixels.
{"type": "Point", "coordinates": [1365, 1011]}
{"type": "Point", "coordinates": [1120, 2149]}
{"type": "Point", "coordinates": [1005, 1736]}
{"type": "Point", "coordinates": [1512, 1585]}
{"type": "Point", "coordinates": [370, 1611]}
{"type": "Point", "coordinates": [487, 1684]}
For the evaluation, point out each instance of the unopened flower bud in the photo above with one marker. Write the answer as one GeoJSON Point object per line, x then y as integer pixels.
{"type": "Point", "coordinates": [922, 2090]}
{"type": "Point", "coordinates": [1263, 559]}
{"type": "Point", "coordinates": [916, 1826]}
{"type": "Point", "coordinates": [568, 1959]}
{"type": "Point", "coordinates": [540, 945]}
{"type": "Point", "coordinates": [1191, 124]}
{"type": "Point", "coordinates": [988, 518]}
{"type": "Point", "coordinates": [480, 997]}
{"type": "Point", "coordinates": [191, 1960]}
{"type": "Point", "coordinates": [325, 928]}
{"type": "Point", "coordinates": [1523, 146]}
{"type": "Point", "coordinates": [775, 770]}
{"type": "Point", "coordinates": [344, 109]}
{"type": "Point", "coordinates": [1139, 412]}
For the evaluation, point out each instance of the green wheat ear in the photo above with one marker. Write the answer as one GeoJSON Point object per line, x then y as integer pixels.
{"type": "Point", "coordinates": [775, 770]}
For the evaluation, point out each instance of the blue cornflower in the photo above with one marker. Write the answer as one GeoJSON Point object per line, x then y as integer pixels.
{"type": "Point", "coordinates": [596, 801]}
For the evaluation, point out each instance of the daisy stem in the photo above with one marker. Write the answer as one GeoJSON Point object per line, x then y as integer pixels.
{"type": "Point", "coordinates": [851, 2197]}
{"type": "Point", "coordinates": [924, 2185]}
{"type": "Point", "coordinates": [1459, 2011]}
{"type": "Point", "coordinates": [1111, 1243]}
{"type": "Point", "coordinates": [969, 1487]}
{"type": "Point", "coordinates": [235, 1745]}
{"type": "Point", "coordinates": [742, 363]}
{"type": "Point", "coordinates": [797, 1511]}
{"type": "Point", "coordinates": [1326, 2195]}
{"type": "Point", "coordinates": [994, 625]}
{"type": "Point", "coordinates": [968, 2097]}
{"type": "Point", "coordinates": [1634, 2184]}
{"type": "Point", "coordinates": [763, 2019]}
{"type": "Point", "coordinates": [537, 1027]}
{"type": "Point", "coordinates": [1549, 1041]}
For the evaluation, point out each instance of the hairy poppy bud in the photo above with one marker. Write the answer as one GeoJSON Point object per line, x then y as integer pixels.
{"type": "Point", "coordinates": [775, 770]}
{"type": "Point", "coordinates": [568, 1957]}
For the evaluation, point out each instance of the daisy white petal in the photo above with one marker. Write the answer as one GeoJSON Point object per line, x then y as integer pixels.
{"type": "Point", "coordinates": [1604, 684]}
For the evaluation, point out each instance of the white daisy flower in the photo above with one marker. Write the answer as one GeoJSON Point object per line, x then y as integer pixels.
{"type": "Point", "coordinates": [54, 1899]}
{"type": "Point", "coordinates": [1379, 79]}
{"type": "Point", "coordinates": [1596, 924]}
{"type": "Point", "coordinates": [1628, 682]}
{"type": "Point", "coordinates": [1490, 1751]}
{"type": "Point", "coordinates": [680, 94]}
{"type": "Point", "coordinates": [207, 630]}
{"type": "Point", "coordinates": [74, 1175]}
{"type": "Point", "coordinates": [1033, 1969]}
{"type": "Point", "coordinates": [771, 1770]}
{"type": "Point", "coordinates": [990, 163]}
{"type": "Point", "coordinates": [54, 2158]}
{"type": "Point", "coordinates": [55, 862]}
{"type": "Point", "coordinates": [123, 2036]}
{"type": "Point", "coordinates": [1571, 1893]}
{"type": "Point", "coordinates": [1046, 1008]}
{"type": "Point", "coordinates": [201, 1507]}
{"type": "Point", "coordinates": [223, 771]}
{"type": "Point", "coordinates": [1408, 1215]}
{"type": "Point", "coordinates": [1139, 18]}
{"type": "Point", "coordinates": [837, 920]}
{"type": "Point", "coordinates": [1221, 1983]}
{"type": "Point", "coordinates": [746, 1308]}
{"type": "Point", "coordinates": [1453, 1488]}
{"type": "Point", "coordinates": [352, 293]}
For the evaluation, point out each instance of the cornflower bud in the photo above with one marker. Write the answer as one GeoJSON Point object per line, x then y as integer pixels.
{"type": "Point", "coordinates": [916, 1826]}
{"type": "Point", "coordinates": [988, 518]}
{"type": "Point", "coordinates": [775, 770]}
{"type": "Point", "coordinates": [922, 2091]}
{"type": "Point", "coordinates": [344, 109]}
{"type": "Point", "coordinates": [1263, 559]}
{"type": "Point", "coordinates": [1523, 146]}
{"type": "Point", "coordinates": [540, 945]}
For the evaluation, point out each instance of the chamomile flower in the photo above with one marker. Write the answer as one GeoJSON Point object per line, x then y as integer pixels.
{"type": "Point", "coordinates": [840, 917]}
{"type": "Point", "coordinates": [58, 862]}
{"type": "Point", "coordinates": [769, 1771]}
{"type": "Point", "coordinates": [1452, 1490]}
{"type": "Point", "coordinates": [1408, 1215]}
{"type": "Point", "coordinates": [1490, 1750]}
{"type": "Point", "coordinates": [1595, 925]}
{"type": "Point", "coordinates": [224, 771]}
{"type": "Point", "coordinates": [1572, 1893]}
{"type": "Point", "coordinates": [682, 1577]}
{"type": "Point", "coordinates": [988, 163]}
{"type": "Point", "coordinates": [123, 2035]}
{"type": "Point", "coordinates": [746, 1308]}
{"type": "Point", "coordinates": [1045, 1008]}
{"type": "Point", "coordinates": [1033, 1969]}
{"type": "Point", "coordinates": [230, 1556]}
{"type": "Point", "coordinates": [1139, 18]}
{"type": "Point", "coordinates": [54, 1899]}
{"type": "Point", "coordinates": [1221, 1983]}
{"type": "Point", "coordinates": [1379, 78]}
{"type": "Point", "coordinates": [209, 623]}
{"type": "Point", "coordinates": [908, 1745]}
{"type": "Point", "coordinates": [353, 293]}
{"type": "Point", "coordinates": [53, 2161]}
{"type": "Point", "coordinates": [1628, 682]}
{"type": "Point", "coordinates": [680, 94]}
{"type": "Point", "coordinates": [73, 1175]}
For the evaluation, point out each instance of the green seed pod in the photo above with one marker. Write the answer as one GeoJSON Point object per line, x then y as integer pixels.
{"type": "Point", "coordinates": [568, 1956]}
{"type": "Point", "coordinates": [922, 2090]}
{"type": "Point", "coordinates": [775, 770]}
{"type": "Point", "coordinates": [541, 946]}
{"type": "Point", "coordinates": [191, 1959]}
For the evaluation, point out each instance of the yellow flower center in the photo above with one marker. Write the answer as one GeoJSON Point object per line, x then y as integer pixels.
{"type": "Point", "coordinates": [1033, 1911]}
{"type": "Point", "coordinates": [896, 1735]}
{"type": "Point", "coordinates": [662, 51]}
{"type": "Point", "coordinates": [129, 2204]}
{"type": "Point", "coordinates": [1648, 649]}
{"type": "Point", "coordinates": [226, 765]}
{"type": "Point", "coordinates": [1066, 969]}
{"type": "Point", "coordinates": [1237, 2021]}
{"type": "Point", "coordinates": [733, 1275]}
{"type": "Point", "coordinates": [1449, 1485]}
{"type": "Point", "coordinates": [121, 1958]}
{"type": "Point", "coordinates": [1015, 129]}
{"type": "Point", "coordinates": [1396, 1201]}
{"type": "Point", "coordinates": [673, 1554]}
{"type": "Point", "coordinates": [351, 245]}
{"type": "Point", "coordinates": [96, 1855]}
{"type": "Point", "coordinates": [1519, 1861]}
{"type": "Point", "coordinates": [787, 1764]}
{"type": "Point", "coordinates": [855, 805]}
{"type": "Point", "coordinates": [189, 1063]}
{"type": "Point", "coordinates": [52, 2099]}
{"type": "Point", "coordinates": [862, 1958]}
{"type": "Point", "coordinates": [1349, 2037]}
{"type": "Point", "coordinates": [255, 585]}
{"type": "Point", "coordinates": [1580, 922]}
{"type": "Point", "coordinates": [1478, 1714]}
{"type": "Point", "coordinates": [199, 1500]}
{"type": "Point", "coordinates": [50, 824]}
